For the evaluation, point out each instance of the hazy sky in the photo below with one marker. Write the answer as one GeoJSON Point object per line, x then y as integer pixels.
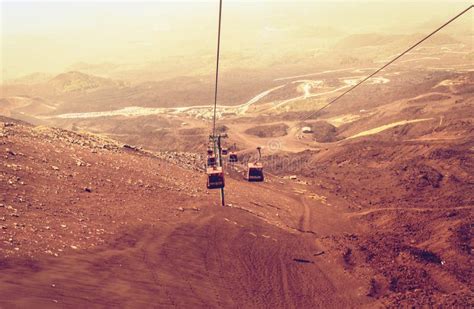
{"type": "Point", "coordinates": [49, 36]}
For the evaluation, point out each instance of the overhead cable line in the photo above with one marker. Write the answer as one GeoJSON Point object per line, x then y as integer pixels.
{"type": "Point", "coordinates": [217, 68]}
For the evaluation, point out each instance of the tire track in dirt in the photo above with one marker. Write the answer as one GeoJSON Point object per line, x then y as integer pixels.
{"type": "Point", "coordinates": [305, 219]}
{"type": "Point", "coordinates": [370, 211]}
{"type": "Point", "coordinates": [151, 268]}
{"type": "Point", "coordinates": [284, 283]}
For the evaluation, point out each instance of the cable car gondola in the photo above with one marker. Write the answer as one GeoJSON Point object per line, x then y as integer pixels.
{"type": "Point", "coordinates": [255, 170]}
{"type": "Point", "coordinates": [233, 157]}
{"type": "Point", "coordinates": [215, 178]}
{"type": "Point", "coordinates": [211, 161]}
{"type": "Point", "coordinates": [224, 151]}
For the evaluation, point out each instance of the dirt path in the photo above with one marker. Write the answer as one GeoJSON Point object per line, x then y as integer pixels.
{"type": "Point", "coordinates": [288, 142]}
{"type": "Point", "coordinates": [386, 127]}
{"type": "Point", "coordinates": [371, 211]}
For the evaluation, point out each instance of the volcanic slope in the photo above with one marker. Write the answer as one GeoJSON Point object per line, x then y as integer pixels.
{"type": "Point", "coordinates": [411, 184]}
{"type": "Point", "coordinates": [88, 221]}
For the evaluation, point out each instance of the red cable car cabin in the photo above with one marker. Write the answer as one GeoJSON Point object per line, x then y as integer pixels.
{"type": "Point", "coordinates": [255, 172]}
{"type": "Point", "coordinates": [215, 177]}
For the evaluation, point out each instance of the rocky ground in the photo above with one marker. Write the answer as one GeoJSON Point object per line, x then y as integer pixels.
{"type": "Point", "coordinates": [58, 187]}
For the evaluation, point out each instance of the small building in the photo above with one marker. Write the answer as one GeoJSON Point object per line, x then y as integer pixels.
{"type": "Point", "coordinates": [306, 130]}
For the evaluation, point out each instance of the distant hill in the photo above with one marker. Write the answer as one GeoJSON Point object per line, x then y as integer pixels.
{"type": "Point", "coordinates": [30, 79]}
{"type": "Point", "coordinates": [366, 39]}
{"type": "Point", "coordinates": [439, 39]}
{"type": "Point", "coordinates": [378, 40]}
{"type": "Point", "coordinates": [15, 121]}
{"type": "Point", "coordinates": [93, 68]}
{"type": "Point", "coordinates": [75, 81]}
